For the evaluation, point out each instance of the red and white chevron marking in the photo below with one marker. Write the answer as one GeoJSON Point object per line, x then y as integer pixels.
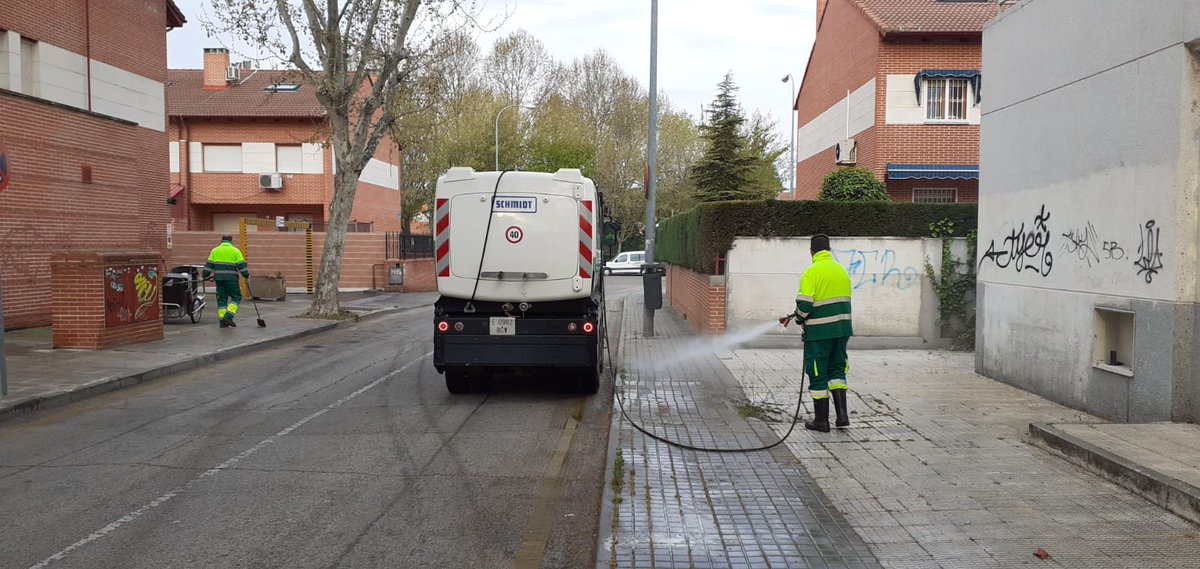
{"type": "Point", "coordinates": [441, 238]}
{"type": "Point", "coordinates": [585, 239]}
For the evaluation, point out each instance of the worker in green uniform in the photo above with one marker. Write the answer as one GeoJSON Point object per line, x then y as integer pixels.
{"type": "Point", "coordinates": [823, 307]}
{"type": "Point", "coordinates": [224, 265]}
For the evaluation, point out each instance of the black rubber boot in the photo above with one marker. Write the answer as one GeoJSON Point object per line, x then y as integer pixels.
{"type": "Point", "coordinates": [224, 323]}
{"type": "Point", "coordinates": [839, 407]}
{"type": "Point", "coordinates": [230, 322]}
{"type": "Point", "coordinates": [821, 421]}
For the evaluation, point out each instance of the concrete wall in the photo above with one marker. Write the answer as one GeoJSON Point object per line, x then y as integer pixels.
{"type": "Point", "coordinates": [894, 302]}
{"type": "Point", "coordinates": [1088, 199]}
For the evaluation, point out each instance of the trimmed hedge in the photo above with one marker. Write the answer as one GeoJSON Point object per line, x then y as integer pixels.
{"type": "Point", "coordinates": [695, 239]}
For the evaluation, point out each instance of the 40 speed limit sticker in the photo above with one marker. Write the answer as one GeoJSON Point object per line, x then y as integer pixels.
{"type": "Point", "coordinates": [514, 234]}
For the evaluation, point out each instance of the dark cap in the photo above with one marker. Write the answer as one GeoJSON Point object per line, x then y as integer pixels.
{"type": "Point", "coordinates": [228, 238]}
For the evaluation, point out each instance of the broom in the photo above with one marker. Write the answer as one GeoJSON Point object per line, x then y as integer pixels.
{"type": "Point", "coordinates": [261, 323]}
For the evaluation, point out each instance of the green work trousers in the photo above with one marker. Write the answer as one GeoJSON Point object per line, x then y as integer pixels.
{"type": "Point", "coordinates": [229, 294]}
{"type": "Point", "coordinates": [826, 363]}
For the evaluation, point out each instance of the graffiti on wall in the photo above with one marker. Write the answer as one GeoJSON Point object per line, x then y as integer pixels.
{"type": "Point", "coordinates": [5, 176]}
{"type": "Point", "coordinates": [130, 295]}
{"type": "Point", "coordinates": [1084, 244]}
{"type": "Point", "coordinates": [876, 267]}
{"type": "Point", "coordinates": [1149, 259]}
{"type": "Point", "coordinates": [1024, 249]}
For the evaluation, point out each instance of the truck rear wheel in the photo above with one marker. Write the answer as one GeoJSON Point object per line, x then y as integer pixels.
{"type": "Point", "coordinates": [458, 381]}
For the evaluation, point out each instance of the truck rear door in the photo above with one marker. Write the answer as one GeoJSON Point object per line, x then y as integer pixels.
{"type": "Point", "coordinates": [533, 236]}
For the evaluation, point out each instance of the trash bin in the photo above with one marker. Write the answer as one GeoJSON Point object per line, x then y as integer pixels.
{"type": "Point", "coordinates": [652, 275]}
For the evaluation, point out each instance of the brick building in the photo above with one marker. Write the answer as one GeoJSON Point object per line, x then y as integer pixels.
{"type": "Point", "coordinates": [83, 134]}
{"type": "Point", "coordinates": [254, 143]}
{"type": "Point", "coordinates": [894, 86]}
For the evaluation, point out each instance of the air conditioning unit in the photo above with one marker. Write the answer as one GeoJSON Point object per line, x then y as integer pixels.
{"type": "Point", "coordinates": [847, 152]}
{"type": "Point", "coordinates": [233, 73]}
{"type": "Point", "coordinates": [270, 181]}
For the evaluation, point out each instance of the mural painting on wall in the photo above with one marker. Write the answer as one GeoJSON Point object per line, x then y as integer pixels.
{"type": "Point", "coordinates": [130, 295]}
{"type": "Point", "coordinates": [1149, 260]}
{"type": "Point", "coordinates": [875, 267]}
{"type": "Point", "coordinates": [1024, 249]}
{"type": "Point", "coordinates": [1085, 244]}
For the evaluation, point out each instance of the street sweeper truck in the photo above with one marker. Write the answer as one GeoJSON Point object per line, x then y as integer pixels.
{"type": "Point", "coordinates": [517, 259]}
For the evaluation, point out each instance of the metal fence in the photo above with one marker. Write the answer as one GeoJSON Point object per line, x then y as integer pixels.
{"type": "Point", "coordinates": [403, 246]}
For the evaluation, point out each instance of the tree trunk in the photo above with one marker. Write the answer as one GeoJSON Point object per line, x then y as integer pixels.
{"type": "Point", "coordinates": [325, 299]}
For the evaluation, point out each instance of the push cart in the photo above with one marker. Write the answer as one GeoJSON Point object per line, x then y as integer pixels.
{"type": "Point", "coordinates": [183, 293]}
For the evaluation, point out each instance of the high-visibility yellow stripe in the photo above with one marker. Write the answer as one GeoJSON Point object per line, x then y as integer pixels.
{"type": "Point", "coordinates": [820, 394]}
{"type": "Point", "coordinates": [833, 300]}
{"type": "Point", "coordinates": [828, 319]}
{"type": "Point", "coordinates": [815, 372]}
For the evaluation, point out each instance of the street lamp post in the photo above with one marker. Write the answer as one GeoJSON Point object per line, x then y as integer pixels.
{"type": "Point", "coordinates": [651, 171]}
{"type": "Point", "coordinates": [792, 113]}
{"type": "Point", "coordinates": [527, 107]}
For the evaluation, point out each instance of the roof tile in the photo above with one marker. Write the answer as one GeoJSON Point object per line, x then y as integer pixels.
{"type": "Point", "coordinates": [908, 16]}
{"type": "Point", "coordinates": [186, 96]}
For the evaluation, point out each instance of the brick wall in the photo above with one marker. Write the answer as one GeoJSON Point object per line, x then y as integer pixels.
{"type": "Point", "coordinates": [129, 34]}
{"type": "Point", "coordinates": [78, 291]}
{"type": "Point", "coordinates": [924, 144]}
{"type": "Point", "coordinates": [79, 180]}
{"type": "Point", "coordinates": [902, 190]}
{"type": "Point", "coordinates": [848, 52]}
{"type": "Point", "coordinates": [699, 298]}
{"type": "Point", "coordinates": [418, 276]}
{"type": "Point", "coordinates": [843, 57]}
{"type": "Point", "coordinates": [54, 205]}
{"type": "Point", "coordinates": [269, 253]}
{"type": "Point", "coordinates": [810, 173]}
{"type": "Point", "coordinates": [208, 193]}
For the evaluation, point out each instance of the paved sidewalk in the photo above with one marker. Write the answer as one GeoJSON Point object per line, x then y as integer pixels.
{"type": "Point", "coordinates": [1159, 461]}
{"type": "Point", "coordinates": [937, 470]}
{"type": "Point", "coordinates": [40, 376]}
{"type": "Point", "coordinates": [682, 509]}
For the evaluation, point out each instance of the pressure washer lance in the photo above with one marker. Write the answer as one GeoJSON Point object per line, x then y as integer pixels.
{"type": "Point", "coordinates": [619, 389]}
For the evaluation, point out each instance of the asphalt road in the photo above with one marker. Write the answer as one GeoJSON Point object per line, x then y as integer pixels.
{"type": "Point", "coordinates": [338, 450]}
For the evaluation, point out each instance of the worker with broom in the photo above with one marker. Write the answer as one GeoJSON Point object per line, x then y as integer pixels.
{"type": "Point", "coordinates": [224, 265]}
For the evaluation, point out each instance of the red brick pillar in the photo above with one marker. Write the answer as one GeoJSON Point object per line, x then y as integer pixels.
{"type": "Point", "coordinates": [106, 299]}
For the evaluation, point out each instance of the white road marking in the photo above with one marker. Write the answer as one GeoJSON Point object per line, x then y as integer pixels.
{"type": "Point", "coordinates": [131, 516]}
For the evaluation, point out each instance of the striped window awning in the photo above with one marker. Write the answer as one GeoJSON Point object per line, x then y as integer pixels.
{"type": "Point", "coordinates": [932, 172]}
{"type": "Point", "coordinates": [971, 75]}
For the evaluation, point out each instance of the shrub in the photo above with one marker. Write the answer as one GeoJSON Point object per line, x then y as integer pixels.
{"type": "Point", "coordinates": [695, 238]}
{"type": "Point", "coordinates": [852, 184]}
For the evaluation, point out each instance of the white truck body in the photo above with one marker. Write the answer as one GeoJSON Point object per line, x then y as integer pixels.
{"type": "Point", "coordinates": [543, 243]}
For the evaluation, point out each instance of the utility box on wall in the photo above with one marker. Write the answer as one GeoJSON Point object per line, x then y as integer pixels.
{"type": "Point", "coordinates": [396, 275]}
{"type": "Point", "coordinates": [105, 299]}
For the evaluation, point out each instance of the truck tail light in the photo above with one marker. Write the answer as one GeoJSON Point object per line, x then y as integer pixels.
{"type": "Point", "coordinates": [588, 328]}
{"type": "Point", "coordinates": [458, 326]}
{"type": "Point", "coordinates": [571, 327]}
{"type": "Point", "coordinates": [443, 326]}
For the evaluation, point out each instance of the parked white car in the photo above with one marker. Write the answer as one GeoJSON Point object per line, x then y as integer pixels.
{"type": "Point", "coordinates": [627, 263]}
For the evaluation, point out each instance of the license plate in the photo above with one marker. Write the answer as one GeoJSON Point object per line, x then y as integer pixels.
{"type": "Point", "coordinates": [503, 326]}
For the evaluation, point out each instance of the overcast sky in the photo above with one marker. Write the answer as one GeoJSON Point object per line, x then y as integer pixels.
{"type": "Point", "coordinates": [699, 40]}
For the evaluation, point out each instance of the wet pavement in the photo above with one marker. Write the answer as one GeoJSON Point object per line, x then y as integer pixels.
{"type": "Point", "coordinates": [937, 469]}
{"type": "Point", "coordinates": [679, 508]}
